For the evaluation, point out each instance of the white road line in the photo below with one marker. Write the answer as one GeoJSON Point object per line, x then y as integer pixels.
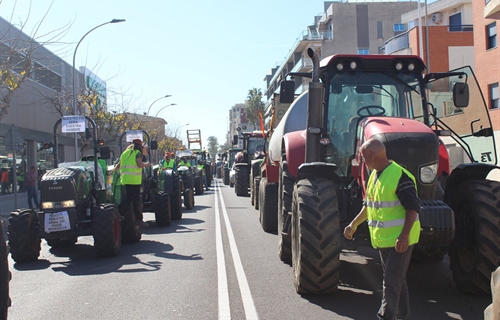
{"type": "Point", "coordinates": [246, 295]}
{"type": "Point", "coordinates": [223, 292]}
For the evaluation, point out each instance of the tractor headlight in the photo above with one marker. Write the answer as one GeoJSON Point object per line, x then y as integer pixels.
{"type": "Point", "coordinates": [68, 203]}
{"type": "Point", "coordinates": [428, 173]}
{"type": "Point", "coordinates": [47, 205]}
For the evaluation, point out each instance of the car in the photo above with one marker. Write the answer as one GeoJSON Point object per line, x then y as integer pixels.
{"type": "Point", "coordinates": [232, 174]}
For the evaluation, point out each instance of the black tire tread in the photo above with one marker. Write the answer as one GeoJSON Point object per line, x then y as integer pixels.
{"type": "Point", "coordinates": [241, 181]}
{"type": "Point", "coordinates": [268, 206]}
{"type": "Point", "coordinates": [316, 236]}
{"type": "Point", "coordinates": [481, 230]}
{"type": "Point", "coordinates": [106, 242]}
{"type": "Point", "coordinates": [24, 242]}
{"type": "Point", "coordinates": [162, 211]}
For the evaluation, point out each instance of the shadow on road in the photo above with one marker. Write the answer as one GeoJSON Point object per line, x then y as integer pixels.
{"type": "Point", "coordinates": [82, 259]}
{"type": "Point", "coordinates": [433, 295]}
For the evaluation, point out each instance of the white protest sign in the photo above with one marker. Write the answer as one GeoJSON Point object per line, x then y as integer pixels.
{"type": "Point", "coordinates": [133, 134]}
{"type": "Point", "coordinates": [73, 124]}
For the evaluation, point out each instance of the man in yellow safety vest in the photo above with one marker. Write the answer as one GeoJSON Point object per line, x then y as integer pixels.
{"type": "Point", "coordinates": [391, 209]}
{"type": "Point", "coordinates": [167, 162]}
{"type": "Point", "coordinates": [132, 160]}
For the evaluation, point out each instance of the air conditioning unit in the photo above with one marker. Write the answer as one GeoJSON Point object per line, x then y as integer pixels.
{"type": "Point", "coordinates": [437, 17]}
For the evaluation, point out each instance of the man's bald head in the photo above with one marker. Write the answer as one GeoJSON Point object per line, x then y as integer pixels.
{"type": "Point", "coordinates": [374, 153]}
{"type": "Point", "coordinates": [373, 145]}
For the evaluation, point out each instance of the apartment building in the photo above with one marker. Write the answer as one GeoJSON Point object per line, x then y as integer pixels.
{"type": "Point", "coordinates": [238, 121]}
{"type": "Point", "coordinates": [486, 19]}
{"type": "Point", "coordinates": [347, 26]}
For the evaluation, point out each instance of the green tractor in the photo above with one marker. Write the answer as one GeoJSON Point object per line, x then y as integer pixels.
{"type": "Point", "coordinates": [190, 177]}
{"type": "Point", "coordinates": [73, 201]}
{"type": "Point", "coordinates": [251, 156]}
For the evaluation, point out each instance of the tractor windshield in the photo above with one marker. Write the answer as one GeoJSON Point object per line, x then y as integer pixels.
{"type": "Point", "coordinates": [255, 144]}
{"type": "Point", "coordinates": [472, 133]}
{"type": "Point", "coordinates": [353, 95]}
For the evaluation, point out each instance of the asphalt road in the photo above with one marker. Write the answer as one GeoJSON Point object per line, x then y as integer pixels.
{"type": "Point", "coordinates": [214, 263]}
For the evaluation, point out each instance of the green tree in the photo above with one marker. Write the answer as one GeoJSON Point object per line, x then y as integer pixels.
{"type": "Point", "coordinates": [213, 146]}
{"type": "Point", "coordinates": [254, 104]}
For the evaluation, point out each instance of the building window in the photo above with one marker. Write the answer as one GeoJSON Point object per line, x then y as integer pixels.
{"type": "Point", "coordinates": [363, 51]}
{"type": "Point", "coordinates": [399, 27]}
{"type": "Point", "coordinates": [491, 35]}
{"type": "Point", "coordinates": [494, 95]}
{"type": "Point", "coordinates": [379, 30]}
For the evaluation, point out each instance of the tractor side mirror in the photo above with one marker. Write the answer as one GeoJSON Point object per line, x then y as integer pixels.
{"type": "Point", "coordinates": [235, 139]}
{"type": "Point", "coordinates": [154, 145]}
{"type": "Point", "coordinates": [287, 91]}
{"type": "Point", "coordinates": [105, 153]}
{"type": "Point", "coordinates": [460, 94]}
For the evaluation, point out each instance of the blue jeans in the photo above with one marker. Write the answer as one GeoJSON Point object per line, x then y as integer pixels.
{"type": "Point", "coordinates": [32, 194]}
{"type": "Point", "coordinates": [395, 297]}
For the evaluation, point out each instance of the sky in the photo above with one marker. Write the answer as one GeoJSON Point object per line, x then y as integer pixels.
{"type": "Point", "coordinates": [206, 54]}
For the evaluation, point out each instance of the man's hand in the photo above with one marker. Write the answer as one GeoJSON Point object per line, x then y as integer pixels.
{"type": "Point", "coordinates": [349, 231]}
{"type": "Point", "coordinates": [401, 243]}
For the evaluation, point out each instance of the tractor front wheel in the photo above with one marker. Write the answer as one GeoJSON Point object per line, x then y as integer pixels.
{"type": "Point", "coordinates": [106, 230]}
{"type": "Point", "coordinates": [268, 205]}
{"type": "Point", "coordinates": [161, 207]}
{"type": "Point", "coordinates": [189, 199]}
{"type": "Point", "coordinates": [316, 236]}
{"type": "Point", "coordinates": [24, 240]}
{"type": "Point", "coordinates": [131, 232]}
{"type": "Point", "coordinates": [475, 252]}
{"type": "Point", "coordinates": [241, 181]}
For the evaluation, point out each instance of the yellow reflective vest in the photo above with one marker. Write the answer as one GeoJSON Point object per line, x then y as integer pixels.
{"type": "Point", "coordinates": [386, 216]}
{"type": "Point", "coordinates": [168, 164]}
{"type": "Point", "coordinates": [130, 173]}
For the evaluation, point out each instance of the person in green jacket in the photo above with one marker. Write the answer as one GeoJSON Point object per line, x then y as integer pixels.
{"type": "Point", "coordinates": [132, 160]}
{"type": "Point", "coordinates": [184, 162]}
{"type": "Point", "coordinates": [391, 209]}
{"type": "Point", "coordinates": [167, 162]}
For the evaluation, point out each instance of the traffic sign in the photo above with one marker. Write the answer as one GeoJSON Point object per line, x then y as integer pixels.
{"type": "Point", "coordinates": [13, 140]}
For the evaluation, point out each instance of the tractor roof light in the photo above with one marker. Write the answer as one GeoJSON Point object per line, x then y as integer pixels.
{"type": "Point", "coordinates": [399, 66]}
{"type": "Point", "coordinates": [353, 65]}
{"type": "Point", "coordinates": [340, 67]}
{"type": "Point", "coordinates": [411, 67]}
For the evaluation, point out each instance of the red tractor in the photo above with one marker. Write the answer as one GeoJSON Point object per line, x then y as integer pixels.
{"type": "Point", "coordinates": [427, 125]}
{"type": "Point", "coordinates": [253, 149]}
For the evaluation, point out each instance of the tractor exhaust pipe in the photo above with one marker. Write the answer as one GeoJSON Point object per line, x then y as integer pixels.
{"type": "Point", "coordinates": [314, 112]}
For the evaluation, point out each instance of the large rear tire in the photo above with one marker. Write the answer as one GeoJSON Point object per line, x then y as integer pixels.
{"type": "Point", "coordinates": [24, 240]}
{"type": "Point", "coordinates": [316, 236]}
{"type": "Point", "coordinates": [5, 275]}
{"type": "Point", "coordinates": [106, 230]}
{"type": "Point", "coordinates": [475, 253]}
{"type": "Point", "coordinates": [218, 172]}
{"type": "Point", "coordinates": [241, 181]}
{"type": "Point", "coordinates": [162, 211]}
{"type": "Point", "coordinates": [175, 199]}
{"type": "Point", "coordinates": [268, 206]}
{"type": "Point", "coordinates": [285, 191]}
{"type": "Point", "coordinates": [131, 232]}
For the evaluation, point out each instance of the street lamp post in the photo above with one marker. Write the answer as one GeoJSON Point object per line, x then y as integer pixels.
{"type": "Point", "coordinates": [75, 108]}
{"type": "Point", "coordinates": [149, 109]}
{"type": "Point", "coordinates": [172, 104]}
{"type": "Point", "coordinates": [177, 130]}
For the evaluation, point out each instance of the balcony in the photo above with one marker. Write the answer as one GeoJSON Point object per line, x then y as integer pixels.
{"type": "Point", "coordinates": [396, 43]}
{"type": "Point", "coordinates": [492, 9]}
